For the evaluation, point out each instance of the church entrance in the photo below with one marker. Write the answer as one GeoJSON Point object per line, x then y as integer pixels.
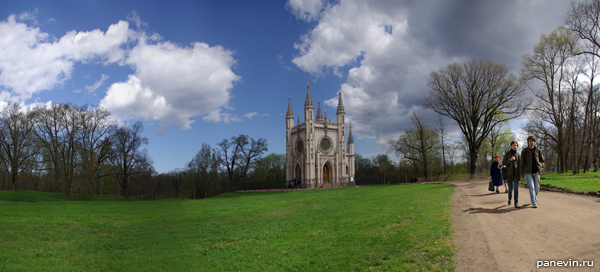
{"type": "Point", "coordinates": [297, 174]}
{"type": "Point", "coordinates": [325, 174]}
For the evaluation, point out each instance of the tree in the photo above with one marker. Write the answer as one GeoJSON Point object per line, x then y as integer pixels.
{"type": "Point", "coordinates": [474, 94]}
{"type": "Point", "coordinates": [127, 156]}
{"type": "Point", "coordinates": [418, 144]}
{"type": "Point", "coordinates": [271, 168]}
{"type": "Point", "coordinates": [584, 20]}
{"type": "Point", "coordinates": [238, 155]}
{"type": "Point", "coordinates": [383, 163]}
{"type": "Point", "coordinates": [363, 168]}
{"type": "Point", "coordinates": [547, 65]}
{"type": "Point", "coordinates": [94, 138]}
{"type": "Point", "coordinates": [441, 130]}
{"type": "Point", "coordinates": [201, 168]}
{"type": "Point", "coordinates": [16, 140]}
{"type": "Point", "coordinates": [57, 128]}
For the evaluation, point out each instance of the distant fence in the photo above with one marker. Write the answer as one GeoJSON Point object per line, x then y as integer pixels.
{"type": "Point", "coordinates": [294, 184]}
{"type": "Point", "coordinates": [379, 180]}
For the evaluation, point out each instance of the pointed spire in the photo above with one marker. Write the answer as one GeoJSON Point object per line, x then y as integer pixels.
{"type": "Point", "coordinates": [350, 138]}
{"type": "Point", "coordinates": [289, 111]}
{"type": "Point", "coordinates": [340, 107]}
{"type": "Point", "coordinates": [319, 115]}
{"type": "Point", "coordinates": [326, 116]}
{"type": "Point", "coordinates": [308, 103]}
{"type": "Point", "coordinates": [298, 118]}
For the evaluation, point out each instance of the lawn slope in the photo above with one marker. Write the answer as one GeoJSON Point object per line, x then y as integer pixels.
{"type": "Point", "coordinates": [380, 228]}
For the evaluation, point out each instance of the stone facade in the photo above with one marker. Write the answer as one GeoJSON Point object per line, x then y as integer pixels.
{"type": "Point", "coordinates": [317, 153]}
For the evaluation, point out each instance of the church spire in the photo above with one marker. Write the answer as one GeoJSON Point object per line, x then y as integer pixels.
{"type": "Point", "coordinates": [340, 107]}
{"type": "Point", "coordinates": [350, 138]}
{"type": "Point", "coordinates": [308, 103]}
{"type": "Point", "coordinates": [319, 115]}
{"type": "Point", "coordinates": [289, 111]}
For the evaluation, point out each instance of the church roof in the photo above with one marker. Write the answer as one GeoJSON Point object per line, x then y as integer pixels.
{"type": "Point", "coordinates": [319, 115]}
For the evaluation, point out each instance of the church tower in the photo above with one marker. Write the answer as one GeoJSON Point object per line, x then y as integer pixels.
{"type": "Point", "coordinates": [316, 152]}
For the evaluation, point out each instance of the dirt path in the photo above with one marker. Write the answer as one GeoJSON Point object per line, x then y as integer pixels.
{"type": "Point", "coordinates": [490, 235]}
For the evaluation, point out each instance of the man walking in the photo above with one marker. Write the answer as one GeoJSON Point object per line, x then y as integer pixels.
{"type": "Point", "coordinates": [512, 160]}
{"type": "Point", "coordinates": [531, 165]}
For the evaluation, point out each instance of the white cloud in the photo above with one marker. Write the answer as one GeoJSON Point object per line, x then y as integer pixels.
{"type": "Point", "coordinates": [307, 10]}
{"type": "Point", "coordinates": [92, 88]}
{"type": "Point", "coordinates": [170, 83]}
{"type": "Point", "coordinates": [33, 61]}
{"type": "Point", "coordinates": [177, 82]}
{"type": "Point", "coordinates": [387, 49]}
{"type": "Point", "coordinates": [218, 116]}
{"type": "Point", "coordinates": [250, 115]}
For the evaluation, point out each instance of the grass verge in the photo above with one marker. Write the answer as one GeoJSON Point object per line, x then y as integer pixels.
{"type": "Point", "coordinates": [381, 228]}
{"type": "Point", "coordinates": [582, 182]}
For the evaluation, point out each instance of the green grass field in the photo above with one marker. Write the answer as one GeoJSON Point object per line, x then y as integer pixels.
{"type": "Point", "coordinates": [588, 182]}
{"type": "Point", "coordinates": [380, 228]}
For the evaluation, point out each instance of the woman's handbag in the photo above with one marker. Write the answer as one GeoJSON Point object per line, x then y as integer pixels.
{"type": "Point", "coordinates": [491, 186]}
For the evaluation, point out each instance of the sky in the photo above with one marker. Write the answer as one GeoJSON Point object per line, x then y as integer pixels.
{"type": "Point", "coordinates": [202, 71]}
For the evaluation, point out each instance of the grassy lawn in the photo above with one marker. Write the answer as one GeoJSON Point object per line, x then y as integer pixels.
{"type": "Point", "coordinates": [380, 228]}
{"type": "Point", "coordinates": [588, 182]}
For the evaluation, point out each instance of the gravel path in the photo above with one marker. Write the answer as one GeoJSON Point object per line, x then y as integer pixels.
{"type": "Point", "coordinates": [490, 235]}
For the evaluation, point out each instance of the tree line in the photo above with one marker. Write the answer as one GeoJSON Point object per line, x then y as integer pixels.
{"type": "Point", "coordinates": [71, 149]}
{"type": "Point", "coordinates": [66, 148]}
{"type": "Point", "coordinates": [557, 85]}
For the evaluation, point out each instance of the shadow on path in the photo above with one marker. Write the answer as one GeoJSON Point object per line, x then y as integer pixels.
{"type": "Point", "coordinates": [495, 210]}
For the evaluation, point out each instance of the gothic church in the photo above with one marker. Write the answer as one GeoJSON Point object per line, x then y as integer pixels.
{"type": "Point", "coordinates": [316, 152]}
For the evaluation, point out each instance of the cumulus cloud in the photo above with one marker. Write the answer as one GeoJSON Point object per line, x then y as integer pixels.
{"type": "Point", "coordinates": [387, 49]}
{"type": "Point", "coordinates": [33, 61]}
{"type": "Point", "coordinates": [176, 82]}
{"type": "Point", "coordinates": [169, 83]}
{"type": "Point", "coordinates": [307, 10]}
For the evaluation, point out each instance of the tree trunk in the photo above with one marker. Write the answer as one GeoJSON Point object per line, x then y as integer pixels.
{"type": "Point", "coordinates": [473, 162]}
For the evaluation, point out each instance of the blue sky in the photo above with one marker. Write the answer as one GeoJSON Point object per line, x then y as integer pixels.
{"type": "Point", "coordinates": [200, 71]}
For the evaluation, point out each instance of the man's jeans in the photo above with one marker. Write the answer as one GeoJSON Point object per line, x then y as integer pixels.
{"type": "Point", "coordinates": [533, 181]}
{"type": "Point", "coordinates": [513, 185]}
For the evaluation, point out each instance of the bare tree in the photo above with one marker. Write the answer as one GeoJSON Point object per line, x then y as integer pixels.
{"type": "Point", "coordinates": [94, 138]}
{"type": "Point", "coordinates": [547, 65]}
{"type": "Point", "coordinates": [201, 169]}
{"type": "Point", "coordinates": [238, 155]}
{"type": "Point", "coordinates": [584, 20]}
{"type": "Point", "coordinates": [474, 94]}
{"type": "Point", "coordinates": [16, 140]}
{"type": "Point", "coordinates": [57, 128]}
{"type": "Point", "coordinates": [417, 145]}
{"type": "Point", "coordinates": [441, 130]}
{"type": "Point", "coordinates": [128, 157]}
{"type": "Point", "coordinates": [383, 163]}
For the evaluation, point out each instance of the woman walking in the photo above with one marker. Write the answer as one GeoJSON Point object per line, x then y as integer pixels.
{"type": "Point", "coordinates": [511, 160]}
{"type": "Point", "coordinates": [495, 174]}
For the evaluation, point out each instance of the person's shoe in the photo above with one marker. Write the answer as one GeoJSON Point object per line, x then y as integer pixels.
{"type": "Point", "coordinates": [534, 205]}
{"type": "Point", "coordinates": [517, 206]}
{"type": "Point", "coordinates": [497, 192]}
{"type": "Point", "coordinates": [509, 202]}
